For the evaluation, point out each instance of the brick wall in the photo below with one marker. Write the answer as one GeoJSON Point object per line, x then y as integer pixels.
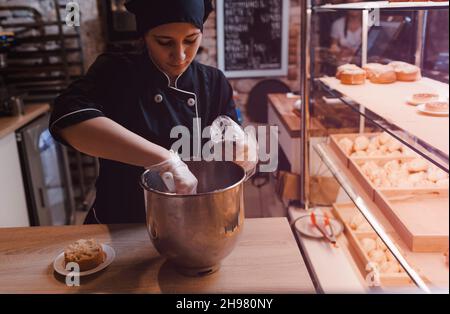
{"type": "Point", "coordinates": [93, 40]}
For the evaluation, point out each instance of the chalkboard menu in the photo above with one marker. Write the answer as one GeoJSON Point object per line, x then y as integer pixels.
{"type": "Point", "coordinates": [253, 37]}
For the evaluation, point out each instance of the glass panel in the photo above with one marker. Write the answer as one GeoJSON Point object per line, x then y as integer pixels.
{"type": "Point", "coordinates": [394, 174]}
{"type": "Point", "coordinates": [54, 185]}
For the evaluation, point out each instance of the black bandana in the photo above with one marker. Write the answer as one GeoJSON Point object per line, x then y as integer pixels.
{"type": "Point", "coordinates": [152, 13]}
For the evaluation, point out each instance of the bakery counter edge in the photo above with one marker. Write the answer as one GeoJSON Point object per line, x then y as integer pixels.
{"type": "Point", "coordinates": [265, 260]}
{"type": "Point", "coordinates": [11, 124]}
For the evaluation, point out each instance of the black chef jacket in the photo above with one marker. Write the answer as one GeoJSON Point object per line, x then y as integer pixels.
{"type": "Point", "coordinates": [132, 91]}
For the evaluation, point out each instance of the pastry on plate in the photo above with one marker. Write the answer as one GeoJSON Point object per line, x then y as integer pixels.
{"type": "Point", "coordinates": [88, 254]}
{"type": "Point", "coordinates": [437, 106]}
{"type": "Point", "coordinates": [422, 98]}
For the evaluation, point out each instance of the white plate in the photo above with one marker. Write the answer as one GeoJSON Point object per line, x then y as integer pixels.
{"type": "Point", "coordinates": [423, 109]}
{"type": "Point", "coordinates": [304, 226]}
{"type": "Point", "coordinates": [59, 266]}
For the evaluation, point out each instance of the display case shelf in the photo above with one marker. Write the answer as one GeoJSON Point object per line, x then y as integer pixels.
{"type": "Point", "coordinates": [381, 107]}
{"type": "Point", "coordinates": [386, 106]}
{"type": "Point", "coordinates": [431, 264]}
{"type": "Point", "coordinates": [384, 5]}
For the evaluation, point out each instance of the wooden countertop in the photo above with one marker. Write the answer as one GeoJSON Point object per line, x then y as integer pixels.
{"type": "Point", "coordinates": [284, 107]}
{"type": "Point", "coordinates": [11, 124]}
{"type": "Point", "coordinates": [266, 260]}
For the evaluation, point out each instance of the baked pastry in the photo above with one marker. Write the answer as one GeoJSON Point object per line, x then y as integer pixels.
{"type": "Point", "coordinates": [88, 254]}
{"type": "Point", "coordinates": [423, 98]}
{"type": "Point", "coordinates": [353, 77]}
{"type": "Point", "coordinates": [378, 253]}
{"type": "Point", "coordinates": [418, 165]}
{"type": "Point", "coordinates": [351, 74]}
{"type": "Point", "coordinates": [406, 72]}
{"type": "Point", "coordinates": [405, 174]}
{"type": "Point", "coordinates": [437, 106]}
{"type": "Point", "coordinates": [347, 145]}
{"type": "Point", "coordinates": [360, 224]}
{"type": "Point", "coordinates": [368, 245]}
{"type": "Point", "coordinates": [346, 67]}
{"type": "Point", "coordinates": [380, 74]}
{"type": "Point", "coordinates": [361, 143]}
{"type": "Point", "coordinates": [377, 256]}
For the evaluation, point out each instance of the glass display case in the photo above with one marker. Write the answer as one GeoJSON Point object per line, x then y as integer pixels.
{"type": "Point", "coordinates": [384, 139]}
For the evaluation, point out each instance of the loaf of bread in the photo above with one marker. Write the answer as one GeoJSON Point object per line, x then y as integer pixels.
{"type": "Point", "coordinates": [344, 68]}
{"type": "Point", "coordinates": [88, 254]}
{"type": "Point", "coordinates": [380, 74]}
{"type": "Point", "coordinates": [406, 72]}
{"type": "Point", "coordinates": [351, 74]}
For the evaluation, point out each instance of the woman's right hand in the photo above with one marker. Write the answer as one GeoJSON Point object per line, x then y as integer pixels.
{"type": "Point", "coordinates": [185, 182]}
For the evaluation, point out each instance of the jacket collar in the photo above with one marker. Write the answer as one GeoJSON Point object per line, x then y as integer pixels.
{"type": "Point", "coordinates": [157, 77]}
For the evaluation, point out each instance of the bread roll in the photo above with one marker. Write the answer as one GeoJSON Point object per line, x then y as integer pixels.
{"type": "Point", "coordinates": [344, 68]}
{"type": "Point", "coordinates": [418, 165]}
{"type": "Point", "coordinates": [88, 254]}
{"type": "Point", "coordinates": [380, 74]}
{"type": "Point", "coordinates": [406, 72]}
{"type": "Point", "coordinates": [368, 245]}
{"type": "Point", "coordinates": [384, 138]}
{"type": "Point", "coordinates": [347, 145]}
{"type": "Point", "coordinates": [353, 77]}
{"type": "Point", "coordinates": [377, 256]}
{"type": "Point", "coordinates": [361, 143]}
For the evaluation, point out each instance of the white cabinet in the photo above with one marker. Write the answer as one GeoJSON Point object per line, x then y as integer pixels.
{"type": "Point", "coordinates": [289, 145]}
{"type": "Point", "coordinates": [13, 205]}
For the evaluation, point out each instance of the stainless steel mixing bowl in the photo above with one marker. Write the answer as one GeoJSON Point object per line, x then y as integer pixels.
{"type": "Point", "coordinates": [196, 232]}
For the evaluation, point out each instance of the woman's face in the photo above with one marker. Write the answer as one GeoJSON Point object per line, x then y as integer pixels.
{"type": "Point", "coordinates": [173, 46]}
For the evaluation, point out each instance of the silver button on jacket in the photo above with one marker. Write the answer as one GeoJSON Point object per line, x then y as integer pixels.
{"type": "Point", "coordinates": [158, 98]}
{"type": "Point", "coordinates": [191, 102]}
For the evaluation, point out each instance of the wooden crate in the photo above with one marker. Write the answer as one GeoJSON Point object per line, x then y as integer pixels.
{"type": "Point", "coordinates": [386, 279]}
{"type": "Point", "coordinates": [420, 217]}
{"type": "Point", "coordinates": [345, 212]}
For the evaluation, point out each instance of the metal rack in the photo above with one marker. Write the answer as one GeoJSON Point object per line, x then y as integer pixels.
{"type": "Point", "coordinates": [46, 58]}
{"type": "Point", "coordinates": [308, 83]}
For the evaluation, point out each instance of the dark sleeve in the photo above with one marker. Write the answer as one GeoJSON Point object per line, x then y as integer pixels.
{"type": "Point", "coordinates": [85, 98]}
{"type": "Point", "coordinates": [228, 106]}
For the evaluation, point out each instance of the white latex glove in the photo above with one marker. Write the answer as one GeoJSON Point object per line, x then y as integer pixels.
{"type": "Point", "coordinates": [224, 129]}
{"type": "Point", "coordinates": [185, 182]}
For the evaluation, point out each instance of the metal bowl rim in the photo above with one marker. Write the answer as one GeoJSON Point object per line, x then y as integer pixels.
{"type": "Point", "coordinates": [174, 195]}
